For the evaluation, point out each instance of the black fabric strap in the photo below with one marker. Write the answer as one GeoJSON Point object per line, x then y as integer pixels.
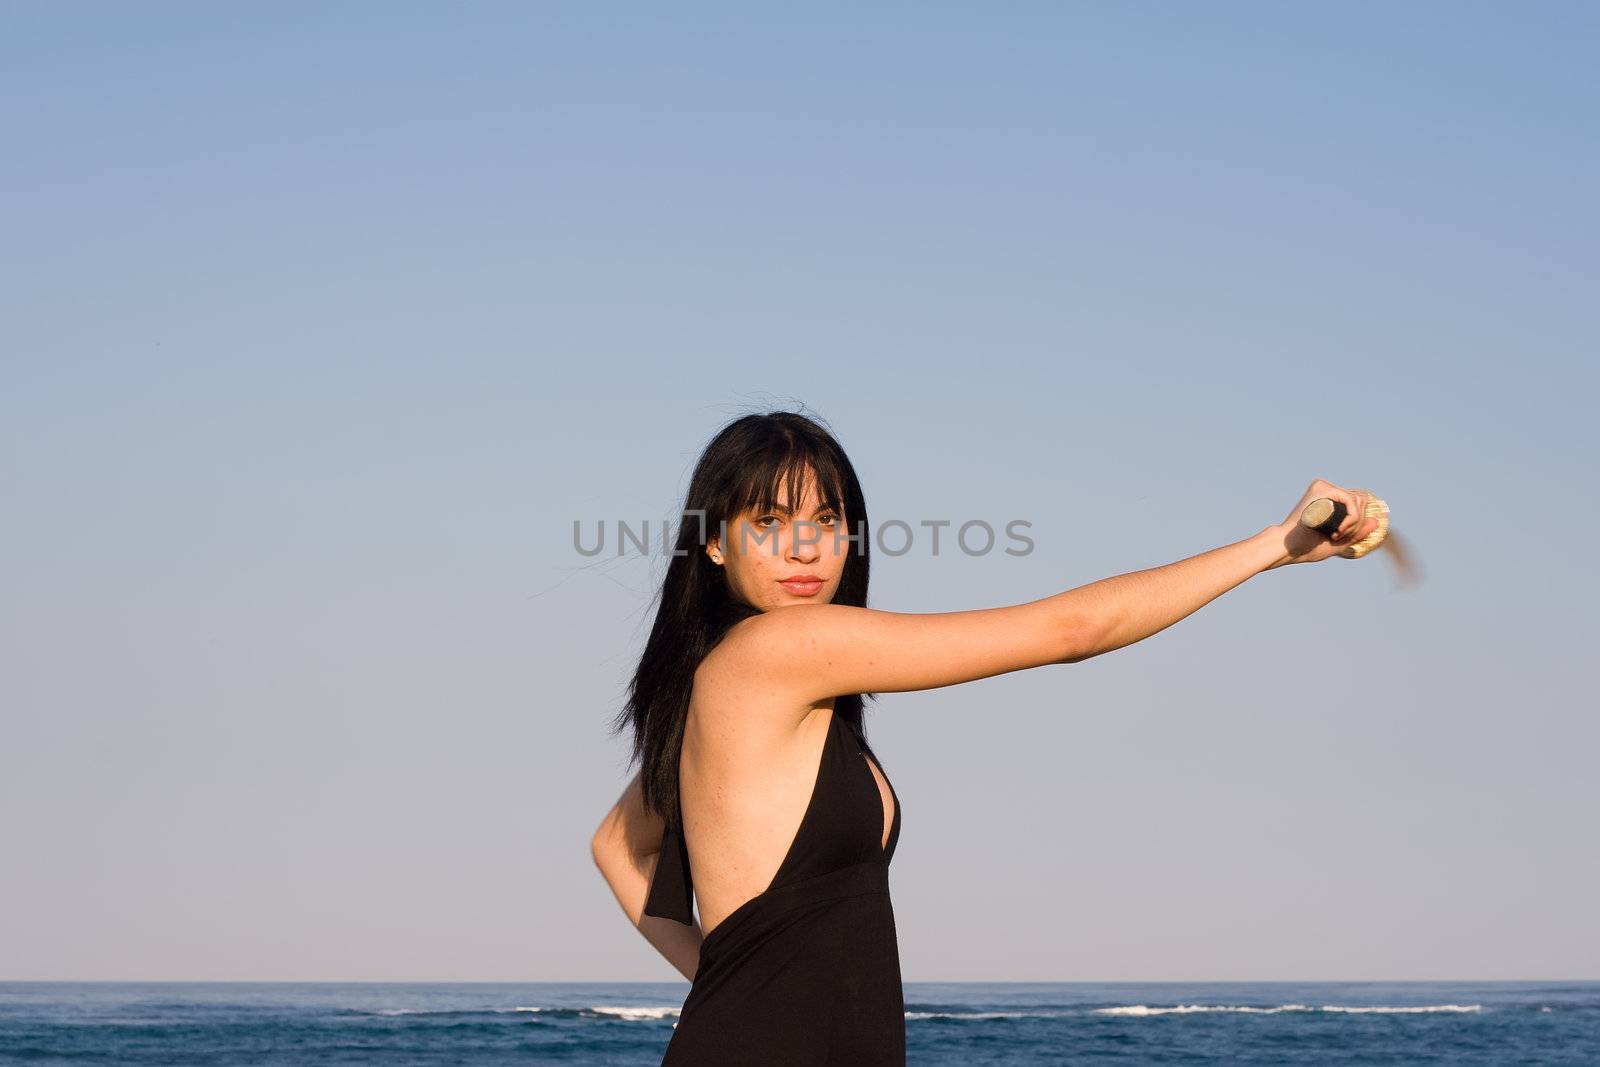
{"type": "Point", "coordinates": [671, 890]}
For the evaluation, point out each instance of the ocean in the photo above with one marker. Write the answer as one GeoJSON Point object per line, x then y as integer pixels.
{"type": "Point", "coordinates": [629, 1024]}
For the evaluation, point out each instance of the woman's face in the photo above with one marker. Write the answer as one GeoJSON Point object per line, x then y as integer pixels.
{"type": "Point", "coordinates": [769, 555]}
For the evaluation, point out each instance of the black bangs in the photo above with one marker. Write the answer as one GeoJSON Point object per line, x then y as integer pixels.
{"type": "Point", "coordinates": [790, 474]}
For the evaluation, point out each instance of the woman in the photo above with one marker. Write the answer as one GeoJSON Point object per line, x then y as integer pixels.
{"type": "Point", "coordinates": [757, 794]}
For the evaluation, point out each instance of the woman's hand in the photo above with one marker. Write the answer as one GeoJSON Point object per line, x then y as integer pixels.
{"type": "Point", "coordinates": [1301, 545]}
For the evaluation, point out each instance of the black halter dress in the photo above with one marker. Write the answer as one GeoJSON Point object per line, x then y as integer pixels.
{"type": "Point", "coordinates": [807, 972]}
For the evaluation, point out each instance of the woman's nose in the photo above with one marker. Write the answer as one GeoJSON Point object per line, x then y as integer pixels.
{"type": "Point", "coordinates": [805, 544]}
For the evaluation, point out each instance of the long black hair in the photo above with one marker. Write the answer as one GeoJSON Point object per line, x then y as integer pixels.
{"type": "Point", "coordinates": [740, 469]}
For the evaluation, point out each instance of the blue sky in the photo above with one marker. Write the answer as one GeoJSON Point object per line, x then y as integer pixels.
{"type": "Point", "coordinates": [323, 324]}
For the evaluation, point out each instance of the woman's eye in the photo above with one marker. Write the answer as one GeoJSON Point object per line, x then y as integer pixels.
{"type": "Point", "coordinates": [828, 518]}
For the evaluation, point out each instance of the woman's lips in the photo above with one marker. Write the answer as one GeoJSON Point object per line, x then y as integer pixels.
{"type": "Point", "coordinates": [802, 588]}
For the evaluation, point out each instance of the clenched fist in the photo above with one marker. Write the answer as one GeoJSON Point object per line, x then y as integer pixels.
{"type": "Point", "coordinates": [1301, 545]}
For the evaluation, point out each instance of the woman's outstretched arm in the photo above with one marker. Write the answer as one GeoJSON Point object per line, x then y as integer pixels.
{"type": "Point", "coordinates": [813, 651]}
{"type": "Point", "coordinates": [626, 848]}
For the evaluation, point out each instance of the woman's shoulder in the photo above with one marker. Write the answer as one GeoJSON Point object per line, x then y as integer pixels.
{"type": "Point", "coordinates": [753, 640]}
{"type": "Point", "coordinates": [735, 690]}
{"type": "Point", "coordinates": [739, 648]}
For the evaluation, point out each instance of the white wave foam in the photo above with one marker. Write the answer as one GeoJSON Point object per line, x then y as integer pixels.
{"type": "Point", "coordinates": [455, 1011]}
{"type": "Point", "coordinates": [619, 1011]}
{"type": "Point", "coordinates": [637, 1013]}
{"type": "Point", "coordinates": [1407, 1010]}
{"type": "Point", "coordinates": [978, 1014]}
{"type": "Point", "coordinates": [1186, 1009]}
{"type": "Point", "coordinates": [1141, 1010]}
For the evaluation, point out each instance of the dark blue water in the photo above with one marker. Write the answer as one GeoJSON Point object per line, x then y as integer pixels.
{"type": "Point", "coordinates": [967, 1024]}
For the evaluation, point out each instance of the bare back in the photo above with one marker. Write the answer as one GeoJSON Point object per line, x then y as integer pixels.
{"type": "Point", "coordinates": [749, 765]}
